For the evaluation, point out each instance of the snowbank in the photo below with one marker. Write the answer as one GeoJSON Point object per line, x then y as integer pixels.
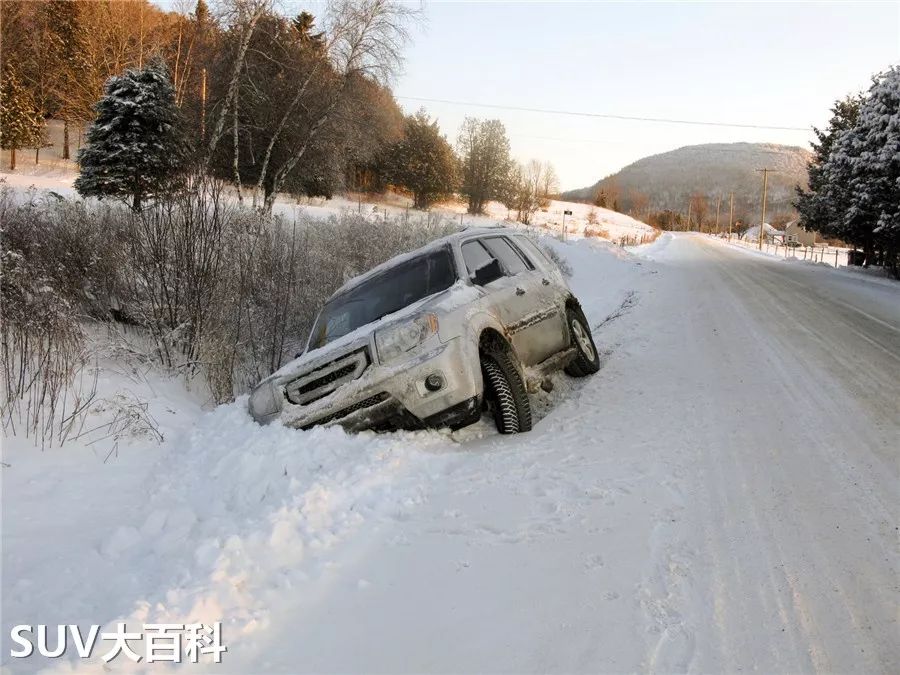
{"type": "Point", "coordinates": [225, 519]}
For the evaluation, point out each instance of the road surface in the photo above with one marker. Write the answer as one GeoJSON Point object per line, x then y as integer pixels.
{"type": "Point", "coordinates": [722, 496]}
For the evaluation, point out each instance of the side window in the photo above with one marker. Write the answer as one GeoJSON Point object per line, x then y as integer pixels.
{"type": "Point", "coordinates": [526, 255]}
{"type": "Point", "coordinates": [531, 249]}
{"type": "Point", "coordinates": [509, 258]}
{"type": "Point", "coordinates": [475, 256]}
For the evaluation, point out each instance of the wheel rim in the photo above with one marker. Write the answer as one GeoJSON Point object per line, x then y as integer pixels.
{"type": "Point", "coordinates": [583, 340]}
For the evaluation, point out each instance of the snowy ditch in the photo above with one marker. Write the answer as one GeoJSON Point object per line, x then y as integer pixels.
{"type": "Point", "coordinates": [227, 519]}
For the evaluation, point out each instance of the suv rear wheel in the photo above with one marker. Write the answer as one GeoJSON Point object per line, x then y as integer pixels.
{"type": "Point", "coordinates": [505, 392]}
{"type": "Point", "coordinates": [587, 360]}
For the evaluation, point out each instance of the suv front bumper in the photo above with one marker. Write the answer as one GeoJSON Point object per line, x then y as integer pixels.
{"type": "Point", "coordinates": [393, 395]}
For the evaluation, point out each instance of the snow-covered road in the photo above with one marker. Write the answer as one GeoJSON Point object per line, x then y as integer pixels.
{"type": "Point", "coordinates": [724, 495]}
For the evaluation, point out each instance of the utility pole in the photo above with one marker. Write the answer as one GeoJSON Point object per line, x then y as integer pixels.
{"type": "Point", "coordinates": [762, 224]}
{"type": "Point", "coordinates": [731, 217]}
{"type": "Point", "coordinates": [688, 226]}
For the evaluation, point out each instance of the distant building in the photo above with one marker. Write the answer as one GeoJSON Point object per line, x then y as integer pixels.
{"type": "Point", "coordinates": [795, 233]}
{"type": "Point", "coordinates": [770, 233]}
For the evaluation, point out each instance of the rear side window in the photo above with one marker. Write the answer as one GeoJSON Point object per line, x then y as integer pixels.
{"type": "Point", "coordinates": [509, 258]}
{"type": "Point", "coordinates": [530, 249]}
{"type": "Point", "coordinates": [475, 256]}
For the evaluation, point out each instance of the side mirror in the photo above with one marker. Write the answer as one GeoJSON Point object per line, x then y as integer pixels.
{"type": "Point", "coordinates": [490, 271]}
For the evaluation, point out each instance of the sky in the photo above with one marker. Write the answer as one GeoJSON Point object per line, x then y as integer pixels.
{"type": "Point", "coordinates": [772, 64]}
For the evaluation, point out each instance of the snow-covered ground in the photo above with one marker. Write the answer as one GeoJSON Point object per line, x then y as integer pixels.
{"type": "Point", "coordinates": [721, 496]}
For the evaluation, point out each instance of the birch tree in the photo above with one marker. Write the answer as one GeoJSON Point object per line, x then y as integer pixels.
{"type": "Point", "coordinates": [365, 38]}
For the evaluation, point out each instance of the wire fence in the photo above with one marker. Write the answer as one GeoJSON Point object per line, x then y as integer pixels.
{"type": "Point", "coordinates": [817, 253]}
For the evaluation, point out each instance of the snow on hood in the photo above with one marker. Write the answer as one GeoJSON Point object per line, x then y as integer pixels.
{"type": "Point", "coordinates": [444, 302]}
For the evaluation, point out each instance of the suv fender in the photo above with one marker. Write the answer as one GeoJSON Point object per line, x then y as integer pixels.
{"type": "Point", "coordinates": [482, 322]}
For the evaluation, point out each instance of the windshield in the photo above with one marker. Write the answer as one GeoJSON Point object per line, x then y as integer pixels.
{"type": "Point", "coordinates": [386, 293]}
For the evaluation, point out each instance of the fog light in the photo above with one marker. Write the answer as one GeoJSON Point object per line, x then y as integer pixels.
{"type": "Point", "coordinates": [434, 382]}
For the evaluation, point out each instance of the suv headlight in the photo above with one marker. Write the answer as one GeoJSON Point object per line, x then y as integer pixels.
{"type": "Point", "coordinates": [405, 336]}
{"type": "Point", "coordinates": [263, 401]}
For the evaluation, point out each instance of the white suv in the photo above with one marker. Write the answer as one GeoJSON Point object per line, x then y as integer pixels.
{"type": "Point", "coordinates": [468, 323]}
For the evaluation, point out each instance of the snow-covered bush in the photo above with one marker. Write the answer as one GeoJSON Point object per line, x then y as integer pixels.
{"type": "Point", "coordinates": [41, 341]}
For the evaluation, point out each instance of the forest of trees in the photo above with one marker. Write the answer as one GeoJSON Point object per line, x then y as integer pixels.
{"type": "Point", "coordinates": [267, 102]}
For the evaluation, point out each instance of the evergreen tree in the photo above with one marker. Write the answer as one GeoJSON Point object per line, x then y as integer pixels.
{"type": "Point", "coordinates": [21, 124]}
{"type": "Point", "coordinates": [484, 149]}
{"type": "Point", "coordinates": [864, 169]}
{"type": "Point", "coordinates": [134, 150]}
{"type": "Point", "coordinates": [63, 47]}
{"type": "Point", "coordinates": [201, 13]}
{"type": "Point", "coordinates": [422, 161]}
{"type": "Point", "coordinates": [817, 213]}
{"type": "Point", "coordinates": [304, 23]}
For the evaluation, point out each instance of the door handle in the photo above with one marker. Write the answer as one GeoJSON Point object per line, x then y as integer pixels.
{"type": "Point", "coordinates": [545, 282]}
{"type": "Point", "coordinates": [520, 291]}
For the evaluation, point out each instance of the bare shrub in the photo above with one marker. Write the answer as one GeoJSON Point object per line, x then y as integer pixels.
{"type": "Point", "coordinates": [282, 273]}
{"type": "Point", "coordinates": [600, 232]}
{"type": "Point", "coordinates": [124, 416]}
{"type": "Point", "coordinates": [43, 351]}
{"type": "Point", "coordinates": [174, 251]}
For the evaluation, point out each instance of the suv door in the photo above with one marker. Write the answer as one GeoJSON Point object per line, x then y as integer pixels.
{"type": "Point", "coordinates": [518, 297]}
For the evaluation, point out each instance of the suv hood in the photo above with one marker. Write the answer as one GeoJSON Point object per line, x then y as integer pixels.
{"type": "Point", "coordinates": [444, 301]}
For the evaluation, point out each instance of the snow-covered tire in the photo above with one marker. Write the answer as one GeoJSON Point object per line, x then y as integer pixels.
{"type": "Point", "coordinates": [505, 393]}
{"type": "Point", "coordinates": [587, 358]}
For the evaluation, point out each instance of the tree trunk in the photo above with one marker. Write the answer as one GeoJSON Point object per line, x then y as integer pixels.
{"type": "Point", "coordinates": [263, 172]}
{"type": "Point", "coordinates": [12, 159]}
{"type": "Point", "coordinates": [235, 158]}
{"type": "Point", "coordinates": [136, 204]}
{"type": "Point", "coordinates": [231, 92]}
{"type": "Point", "coordinates": [37, 155]}
{"type": "Point", "coordinates": [65, 154]}
{"type": "Point", "coordinates": [287, 167]}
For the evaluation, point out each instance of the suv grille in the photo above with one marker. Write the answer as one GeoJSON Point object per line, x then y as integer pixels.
{"type": "Point", "coordinates": [333, 376]}
{"type": "Point", "coordinates": [359, 405]}
{"type": "Point", "coordinates": [322, 381]}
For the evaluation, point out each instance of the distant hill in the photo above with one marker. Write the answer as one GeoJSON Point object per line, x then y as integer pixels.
{"type": "Point", "coordinates": [668, 180]}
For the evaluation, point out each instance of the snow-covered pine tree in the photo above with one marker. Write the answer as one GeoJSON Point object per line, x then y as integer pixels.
{"type": "Point", "coordinates": [134, 150]}
{"type": "Point", "coordinates": [21, 124]}
{"type": "Point", "coordinates": [816, 212]}
{"type": "Point", "coordinates": [861, 177]}
{"type": "Point", "coordinates": [874, 187]}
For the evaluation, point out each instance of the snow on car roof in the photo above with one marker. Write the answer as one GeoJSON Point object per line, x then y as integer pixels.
{"type": "Point", "coordinates": [403, 257]}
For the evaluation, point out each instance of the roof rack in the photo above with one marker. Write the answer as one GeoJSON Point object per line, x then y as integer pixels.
{"type": "Point", "coordinates": [483, 226]}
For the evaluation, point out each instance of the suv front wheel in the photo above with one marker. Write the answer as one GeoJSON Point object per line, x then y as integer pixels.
{"type": "Point", "coordinates": [505, 393]}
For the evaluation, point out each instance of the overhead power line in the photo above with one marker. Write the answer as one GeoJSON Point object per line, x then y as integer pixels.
{"type": "Point", "coordinates": [632, 118]}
